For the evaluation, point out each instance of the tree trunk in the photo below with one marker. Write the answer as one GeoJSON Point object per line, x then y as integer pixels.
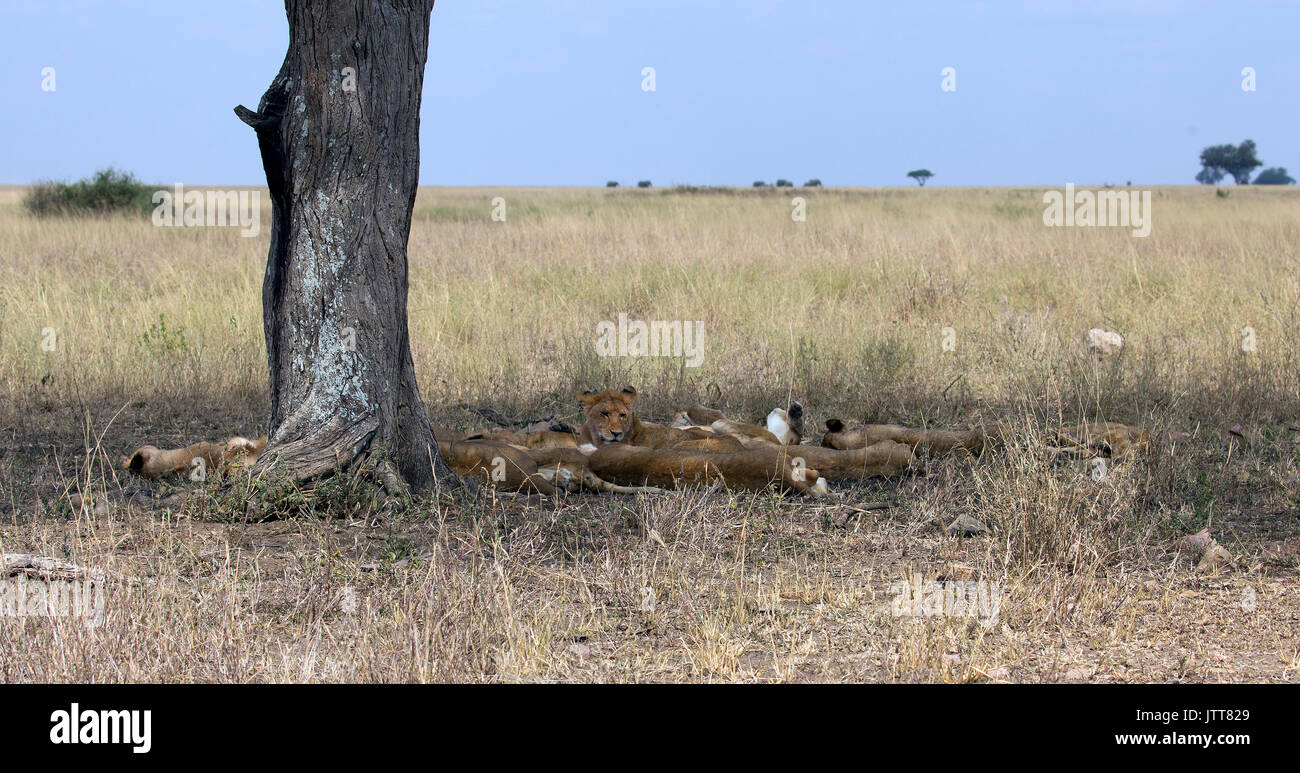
{"type": "Point", "coordinates": [339, 133]}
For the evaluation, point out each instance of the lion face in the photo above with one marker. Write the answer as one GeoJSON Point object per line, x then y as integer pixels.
{"type": "Point", "coordinates": [609, 414]}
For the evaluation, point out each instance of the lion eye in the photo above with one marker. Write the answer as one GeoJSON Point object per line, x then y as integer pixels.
{"type": "Point", "coordinates": [605, 414]}
{"type": "Point", "coordinates": [622, 415]}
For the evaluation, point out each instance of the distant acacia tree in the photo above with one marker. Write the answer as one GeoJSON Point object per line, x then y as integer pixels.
{"type": "Point", "coordinates": [784, 183]}
{"type": "Point", "coordinates": [1274, 176]}
{"type": "Point", "coordinates": [612, 184]}
{"type": "Point", "coordinates": [760, 184]}
{"type": "Point", "coordinates": [1208, 176]}
{"type": "Point", "coordinates": [643, 184]}
{"type": "Point", "coordinates": [813, 183]}
{"type": "Point", "coordinates": [921, 176]}
{"type": "Point", "coordinates": [1236, 160]}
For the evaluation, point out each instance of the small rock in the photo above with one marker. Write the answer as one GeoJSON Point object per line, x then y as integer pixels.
{"type": "Point", "coordinates": [967, 526]}
{"type": "Point", "coordinates": [98, 506]}
{"type": "Point", "coordinates": [1104, 342]}
{"type": "Point", "coordinates": [583, 651]}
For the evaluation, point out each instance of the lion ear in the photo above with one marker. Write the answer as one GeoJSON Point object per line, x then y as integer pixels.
{"type": "Point", "coordinates": [630, 391]}
{"type": "Point", "coordinates": [587, 397]}
{"type": "Point", "coordinates": [834, 425]}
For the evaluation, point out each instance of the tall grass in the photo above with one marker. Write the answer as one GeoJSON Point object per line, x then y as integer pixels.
{"type": "Point", "coordinates": [846, 311]}
{"type": "Point", "coordinates": [156, 333]}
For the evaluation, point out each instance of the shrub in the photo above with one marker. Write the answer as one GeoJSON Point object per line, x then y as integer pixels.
{"type": "Point", "coordinates": [813, 183]}
{"type": "Point", "coordinates": [108, 191]}
{"type": "Point", "coordinates": [783, 183]}
{"type": "Point", "coordinates": [643, 184]}
{"type": "Point", "coordinates": [1274, 176]}
{"type": "Point", "coordinates": [163, 341]}
{"type": "Point", "coordinates": [612, 184]}
{"type": "Point", "coordinates": [760, 184]}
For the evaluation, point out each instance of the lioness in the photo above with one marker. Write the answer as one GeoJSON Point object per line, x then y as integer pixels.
{"type": "Point", "coordinates": [237, 452]}
{"type": "Point", "coordinates": [938, 441]}
{"type": "Point", "coordinates": [610, 419]}
{"type": "Point", "coordinates": [753, 469]}
{"type": "Point", "coordinates": [535, 471]}
{"type": "Point", "coordinates": [1101, 438]}
{"type": "Point", "coordinates": [500, 465]}
{"type": "Point", "coordinates": [542, 439]}
{"type": "Point", "coordinates": [781, 426]}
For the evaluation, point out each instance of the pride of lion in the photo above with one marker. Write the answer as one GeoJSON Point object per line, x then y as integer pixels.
{"type": "Point", "coordinates": [616, 452]}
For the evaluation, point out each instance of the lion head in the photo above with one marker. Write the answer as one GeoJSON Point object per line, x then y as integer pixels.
{"type": "Point", "coordinates": [609, 415]}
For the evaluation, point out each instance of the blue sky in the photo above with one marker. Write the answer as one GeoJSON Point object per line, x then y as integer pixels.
{"type": "Point", "coordinates": [549, 93]}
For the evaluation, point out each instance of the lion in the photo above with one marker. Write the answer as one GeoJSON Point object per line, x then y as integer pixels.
{"type": "Point", "coordinates": [936, 441]}
{"type": "Point", "coordinates": [236, 453]}
{"type": "Point", "coordinates": [611, 420]}
{"type": "Point", "coordinates": [570, 469]}
{"type": "Point", "coordinates": [529, 471]}
{"type": "Point", "coordinates": [781, 426]}
{"type": "Point", "coordinates": [883, 459]}
{"type": "Point", "coordinates": [1086, 440]}
{"type": "Point", "coordinates": [499, 465]}
{"type": "Point", "coordinates": [753, 469]}
{"type": "Point", "coordinates": [541, 439]}
{"type": "Point", "coordinates": [1101, 439]}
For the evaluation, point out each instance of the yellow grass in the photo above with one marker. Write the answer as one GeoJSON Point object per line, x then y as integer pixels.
{"type": "Point", "coordinates": [844, 312]}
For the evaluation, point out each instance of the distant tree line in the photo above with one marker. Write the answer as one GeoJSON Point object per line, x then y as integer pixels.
{"type": "Point", "coordinates": [780, 183]}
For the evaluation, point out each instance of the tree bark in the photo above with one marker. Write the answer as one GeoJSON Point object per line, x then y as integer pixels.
{"type": "Point", "coordinates": [341, 150]}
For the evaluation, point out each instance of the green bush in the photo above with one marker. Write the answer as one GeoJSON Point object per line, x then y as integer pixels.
{"type": "Point", "coordinates": [813, 183]}
{"type": "Point", "coordinates": [107, 192]}
{"type": "Point", "coordinates": [612, 184]}
{"type": "Point", "coordinates": [1274, 176]}
{"type": "Point", "coordinates": [643, 184]}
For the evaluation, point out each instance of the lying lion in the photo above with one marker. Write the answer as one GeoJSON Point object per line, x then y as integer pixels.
{"type": "Point", "coordinates": [713, 447]}
{"type": "Point", "coordinates": [750, 469]}
{"type": "Point", "coordinates": [199, 460]}
{"type": "Point", "coordinates": [610, 420]}
{"type": "Point", "coordinates": [505, 466]}
{"type": "Point", "coordinates": [529, 470]}
{"type": "Point", "coordinates": [937, 441]}
{"type": "Point", "coordinates": [614, 451]}
{"type": "Point", "coordinates": [1085, 440]}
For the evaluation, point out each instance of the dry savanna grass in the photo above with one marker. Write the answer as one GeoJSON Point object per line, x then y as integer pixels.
{"type": "Point", "coordinates": [114, 334]}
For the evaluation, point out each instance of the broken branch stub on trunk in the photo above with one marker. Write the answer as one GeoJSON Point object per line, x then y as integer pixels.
{"type": "Point", "coordinates": [338, 131]}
